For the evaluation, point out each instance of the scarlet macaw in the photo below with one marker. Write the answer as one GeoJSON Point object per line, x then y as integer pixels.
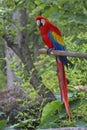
{"type": "Point", "coordinates": [52, 37]}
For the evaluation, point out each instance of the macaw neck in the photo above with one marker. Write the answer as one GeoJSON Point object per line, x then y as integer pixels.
{"type": "Point", "coordinates": [49, 27]}
{"type": "Point", "coordinates": [44, 29]}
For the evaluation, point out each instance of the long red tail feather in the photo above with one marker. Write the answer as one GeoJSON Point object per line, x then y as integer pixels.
{"type": "Point", "coordinates": [63, 85]}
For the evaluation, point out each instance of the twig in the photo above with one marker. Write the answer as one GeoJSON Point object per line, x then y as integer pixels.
{"type": "Point", "coordinates": [64, 53]}
{"type": "Point", "coordinates": [80, 87]}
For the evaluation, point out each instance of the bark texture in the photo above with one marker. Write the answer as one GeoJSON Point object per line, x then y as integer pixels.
{"type": "Point", "coordinates": [11, 78]}
{"type": "Point", "coordinates": [21, 49]}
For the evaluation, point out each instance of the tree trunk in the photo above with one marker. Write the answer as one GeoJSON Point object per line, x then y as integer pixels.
{"type": "Point", "coordinates": [20, 47]}
{"type": "Point", "coordinates": [36, 47]}
{"type": "Point", "coordinates": [11, 78]}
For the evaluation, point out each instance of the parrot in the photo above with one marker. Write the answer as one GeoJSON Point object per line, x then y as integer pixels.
{"type": "Point", "coordinates": [52, 38]}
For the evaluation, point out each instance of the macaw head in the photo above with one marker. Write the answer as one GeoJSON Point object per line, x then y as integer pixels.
{"type": "Point", "coordinates": [41, 21]}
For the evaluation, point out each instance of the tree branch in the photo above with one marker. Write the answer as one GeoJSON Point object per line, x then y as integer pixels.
{"type": "Point", "coordinates": [11, 44]}
{"type": "Point", "coordinates": [64, 53]}
{"type": "Point", "coordinates": [81, 87]}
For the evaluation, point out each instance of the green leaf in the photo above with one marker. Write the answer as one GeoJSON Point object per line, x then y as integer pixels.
{"type": "Point", "coordinates": [50, 109]}
{"type": "Point", "coordinates": [22, 123]}
{"type": "Point", "coordinates": [3, 124]}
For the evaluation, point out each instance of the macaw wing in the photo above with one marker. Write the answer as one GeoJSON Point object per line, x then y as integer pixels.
{"type": "Point", "coordinates": [56, 40]}
{"type": "Point", "coordinates": [58, 44]}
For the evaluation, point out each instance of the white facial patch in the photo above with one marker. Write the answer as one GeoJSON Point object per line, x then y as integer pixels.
{"type": "Point", "coordinates": [43, 21]}
{"type": "Point", "coordinates": [38, 22]}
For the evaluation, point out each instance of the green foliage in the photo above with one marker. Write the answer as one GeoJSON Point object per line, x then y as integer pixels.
{"type": "Point", "coordinates": [48, 64]}
{"type": "Point", "coordinates": [71, 17]}
{"type": "Point", "coordinates": [28, 116]}
{"type": "Point", "coordinates": [54, 114]}
{"type": "Point", "coordinates": [48, 119]}
{"type": "Point", "coordinates": [3, 123]}
{"type": "Point", "coordinates": [22, 123]}
{"type": "Point", "coordinates": [22, 75]}
{"type": "Point", "coordinates": [3, 80]}
{"type": "Point", "coordinates": [77, 76]}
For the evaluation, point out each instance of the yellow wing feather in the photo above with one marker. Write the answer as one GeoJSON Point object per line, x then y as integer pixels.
{"type": "Point", "coordinates": [58, 38]}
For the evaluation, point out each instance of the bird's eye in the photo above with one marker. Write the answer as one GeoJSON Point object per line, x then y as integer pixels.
{"type": "Point", "coordinates": [43, 22]}
{"type": "Point", "coordinates": [38, 22]}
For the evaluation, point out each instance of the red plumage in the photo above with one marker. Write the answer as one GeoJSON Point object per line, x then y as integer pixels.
{"type": "Point", "coordinates": [45, 29]}
{"type": "Point", "coordinates": [63, 85]}
{"type": "Point", "coordinates": [52, 37]}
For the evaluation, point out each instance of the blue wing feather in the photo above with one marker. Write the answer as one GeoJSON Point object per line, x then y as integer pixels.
{"type": "Point", "coordinates": [58, 46]}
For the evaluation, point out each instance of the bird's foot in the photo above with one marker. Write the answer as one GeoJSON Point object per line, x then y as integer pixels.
{"type": "Point", "coordinates": [49, 50]}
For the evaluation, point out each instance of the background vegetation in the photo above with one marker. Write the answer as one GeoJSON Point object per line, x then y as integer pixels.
{"type": "Point", "coordinates": [71, 18]}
